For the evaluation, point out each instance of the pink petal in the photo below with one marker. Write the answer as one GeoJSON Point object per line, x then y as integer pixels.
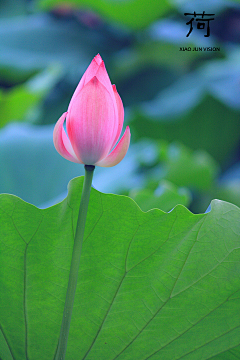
{"type": "Point", "coordinates": [118, 153]}
{"type": "Point", "coordinates": [97, 68]}
{"type": "Point", "coordinates": [93, 68]}
{"type": "Point", "coordinates": [91, 122]}
{"type": "Point", "coordinates": [103, 77]}
{"type": "Point", "coordinates": [120, 115]}
{"type": "Point", "coordinates": [87, 76]}
{"type": "Point", "coordinates": [61, 141]}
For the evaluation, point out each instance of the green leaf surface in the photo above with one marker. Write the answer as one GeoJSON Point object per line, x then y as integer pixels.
{"type": "Point", "coordinates": [233, 354]}
{"type": "Point", "coordinates": [151, 285]}
{"type": "Point", "coordinates": [135, 14]}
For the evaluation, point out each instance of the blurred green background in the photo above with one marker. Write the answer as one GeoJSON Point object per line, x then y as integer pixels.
{"type": "Point", "coordinates": [183, 107]}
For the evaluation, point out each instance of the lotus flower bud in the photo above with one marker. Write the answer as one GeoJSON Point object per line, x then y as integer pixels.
{"type": "Point", "coordinates": [94, 121]}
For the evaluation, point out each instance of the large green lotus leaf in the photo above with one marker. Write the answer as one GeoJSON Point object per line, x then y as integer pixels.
{"type": "Point", "coordinates": [135, 14]}
{"type": "Point", "coordinates": [151, 285]}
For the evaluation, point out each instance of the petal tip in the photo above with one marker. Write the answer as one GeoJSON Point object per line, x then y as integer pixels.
{"type": "Point", "coordinates": [98, 59]}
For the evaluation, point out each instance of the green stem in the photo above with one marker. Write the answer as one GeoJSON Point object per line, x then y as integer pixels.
{"type": "Point", "coordinates": [73, 276]}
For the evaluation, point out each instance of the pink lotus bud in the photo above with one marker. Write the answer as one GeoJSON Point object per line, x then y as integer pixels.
{"type": "Point", "coordinates": [94, 121]}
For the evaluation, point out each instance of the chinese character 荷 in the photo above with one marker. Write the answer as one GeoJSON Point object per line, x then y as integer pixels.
{"type": "Point", "coordinates": [201, 22]}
